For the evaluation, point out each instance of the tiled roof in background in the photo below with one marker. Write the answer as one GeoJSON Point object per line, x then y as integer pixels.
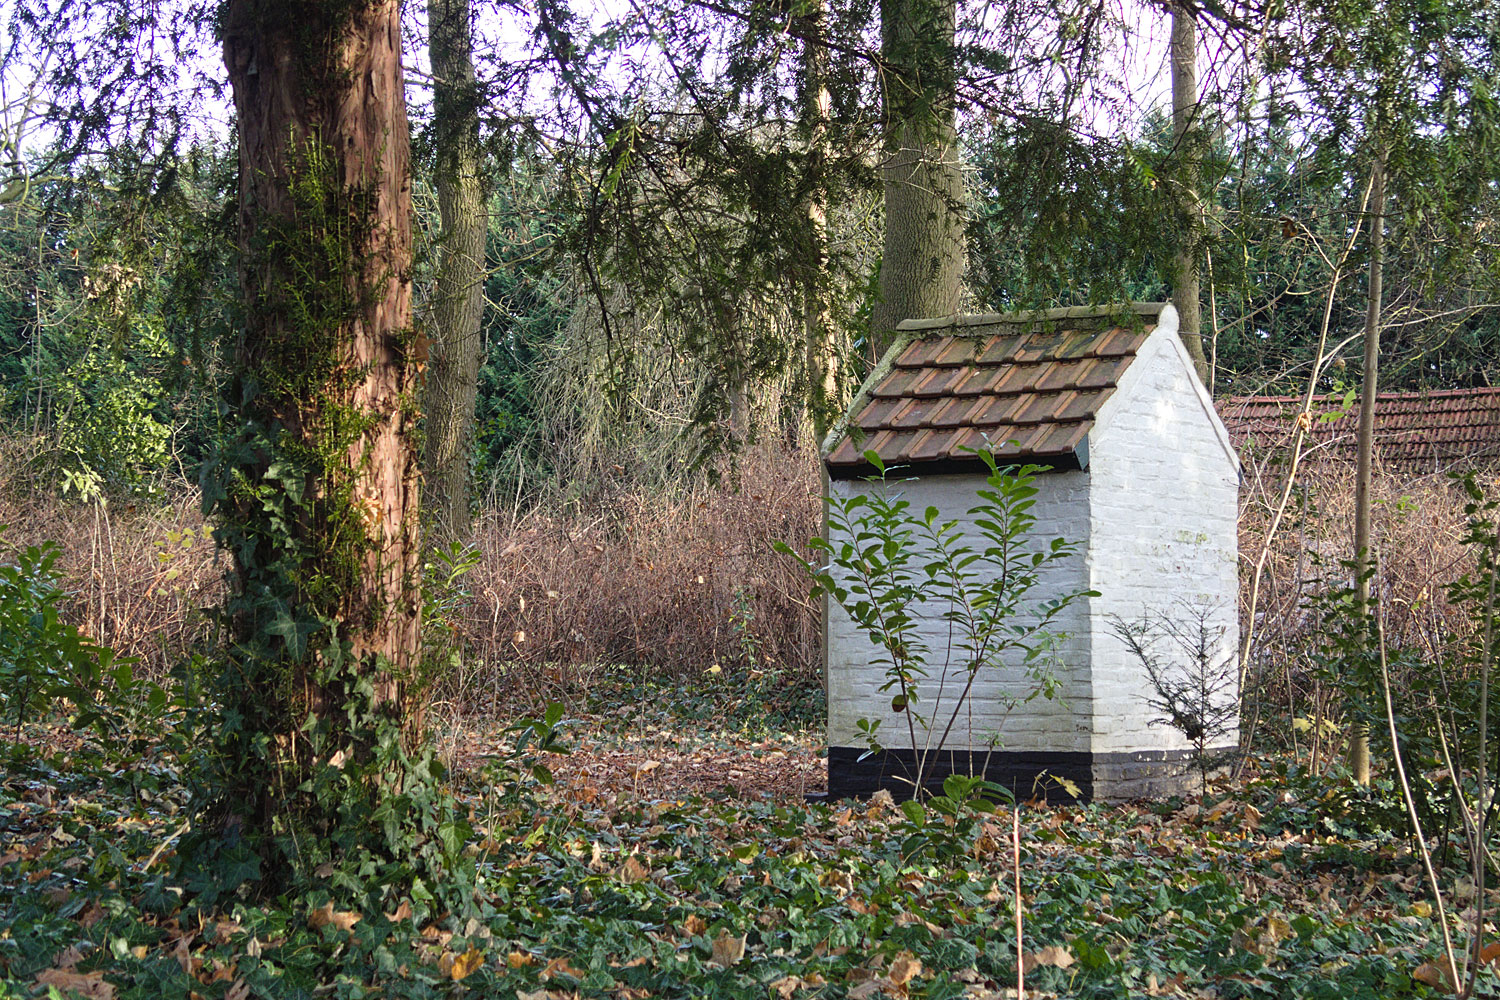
{"type": "Point", "coordinates": [1032, 390]}
{"type": "Point", "coordinates": [1414, 431]}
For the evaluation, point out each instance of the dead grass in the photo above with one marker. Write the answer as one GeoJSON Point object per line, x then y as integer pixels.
{"type": "Point", "coordinates": [674, 581]}
{"type": "Point", "coordinates": [138, 574]}
{"type": "Point", "coordinates": [671, 583]}
{"type": "Point", "coordinates": [1419, 524]}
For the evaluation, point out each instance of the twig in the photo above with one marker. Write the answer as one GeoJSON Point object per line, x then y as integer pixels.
{"type": "Point", "coordinates": [1015, 840]}
{"type": "Point", "coordinates": [1411, 807]}
{"type": "Point", "coordinates": [163, 846]}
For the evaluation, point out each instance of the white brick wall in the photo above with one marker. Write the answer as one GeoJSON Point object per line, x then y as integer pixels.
{"type": "Point", "coordinates": [854, 682]}
{"type": "Point", "coordinates": [1155, 518]}
{"type": "Point", "coordinates": [1164, 500]}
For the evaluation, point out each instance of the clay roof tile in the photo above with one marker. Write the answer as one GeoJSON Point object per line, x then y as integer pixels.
{"type": "Point", "coordinates": [1036, 382]}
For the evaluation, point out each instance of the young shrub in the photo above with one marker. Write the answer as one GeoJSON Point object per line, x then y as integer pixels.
{"type": "Point", "coordinates": [1194, 679]}
{"type": "Point", "coordinates": [47, 664]}
{"type": "Point", "coordinates": [889, 567]}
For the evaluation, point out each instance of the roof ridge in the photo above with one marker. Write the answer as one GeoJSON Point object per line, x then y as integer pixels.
{"type": "Point", "coordinates": [1391, 394]}
{"type": "Point", "coordinates": [1031, 317]}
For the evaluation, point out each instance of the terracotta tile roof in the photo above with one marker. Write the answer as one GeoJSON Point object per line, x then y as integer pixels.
{"type": "Point", "coordinates": [1414, 431]}
{"type": "Point", "coordinates": [1028, 384]}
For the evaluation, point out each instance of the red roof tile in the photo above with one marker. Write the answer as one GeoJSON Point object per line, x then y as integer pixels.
{"type": "Point", "coordinates": [1414, 431]}
{"type": "Point", "coordinates": [1029, 387]}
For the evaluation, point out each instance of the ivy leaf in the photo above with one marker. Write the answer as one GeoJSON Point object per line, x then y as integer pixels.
{"type": "Point", "coordinates": [294, 632]}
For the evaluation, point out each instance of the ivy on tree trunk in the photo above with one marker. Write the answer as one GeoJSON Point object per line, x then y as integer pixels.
{"type": "Point", "coordinates": [316, 487]}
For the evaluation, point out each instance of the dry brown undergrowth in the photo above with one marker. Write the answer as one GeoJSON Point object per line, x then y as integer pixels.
{"type": "Point", "coordinates": [138, 573]}
{"type": "Point", "coordinates": [1419, 524]}
{"type": "Point", "coordinates": [676, 582]}
{"type": "Point", "coordinates": [671, 583]}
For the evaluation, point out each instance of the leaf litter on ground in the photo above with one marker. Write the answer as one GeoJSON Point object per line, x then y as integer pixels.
{"type": "Point", "coordinates": [631, 882]}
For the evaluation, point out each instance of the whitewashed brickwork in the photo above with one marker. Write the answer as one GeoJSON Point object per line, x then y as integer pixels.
{"type": "Point", "coordinates": [1154, 515]}
{"type": "Point", "coordinates": [1164, 499]}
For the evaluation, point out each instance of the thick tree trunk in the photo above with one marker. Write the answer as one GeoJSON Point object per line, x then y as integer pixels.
{"type": "Point", "coordinates": [823, 396]}
{"type": "Point", "coordinates": [921, 272]}
{"type": "Point", "coordinates": [319, 496]}
{"type": "Point", "coordinates": [1359, 745]}
{"type": "Point", "coordinates": [1187, 136]}
{"type": "Point", "coordinates": [458, 300]}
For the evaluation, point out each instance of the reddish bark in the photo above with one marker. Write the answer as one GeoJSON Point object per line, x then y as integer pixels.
{"type": "Point", "coordinates": [318, 94]}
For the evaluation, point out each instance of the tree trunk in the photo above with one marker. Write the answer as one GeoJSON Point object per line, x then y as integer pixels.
{"type": "Point", "coordinates": [317, 498]}
{"type": "Point", "coordinates": [823, 397]}
{"type": "Point", "coordinates": [1359, 744]}
{"type": "Point", "coordinates": [921, 272]}
{"type": "Point", "coordinates": [1187, 136]}
{"type": "Point", "coordinates": [458, 300]}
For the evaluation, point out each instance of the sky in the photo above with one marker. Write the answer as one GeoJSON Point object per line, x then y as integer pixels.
{"type": "Point", "coordinates": [1139, 69]}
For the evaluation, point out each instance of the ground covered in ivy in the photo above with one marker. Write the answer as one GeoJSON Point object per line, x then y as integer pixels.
{"type": "Point", "coordinates": [675, 855]}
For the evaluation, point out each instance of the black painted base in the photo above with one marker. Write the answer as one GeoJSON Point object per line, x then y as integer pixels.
{"type": "Point", "coordinates": [1030, 774]}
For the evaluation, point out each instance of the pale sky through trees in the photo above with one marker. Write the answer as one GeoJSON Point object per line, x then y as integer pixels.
{"type": "Point", "coordinates": [1135, 75]}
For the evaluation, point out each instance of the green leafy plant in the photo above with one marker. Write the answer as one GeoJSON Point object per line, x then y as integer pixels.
{"type": "Point", "coordinates": [444, 594]}
{"type": "Point", "coordinates": [890, 568]}
{"type": "Point", "coordinates": [946, 824]}
{"type": "Point", "coordinates": [45, 661]}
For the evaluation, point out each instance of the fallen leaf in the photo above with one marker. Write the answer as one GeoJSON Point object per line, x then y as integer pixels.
{"type": "Point", "coordinates": [864, 991]}
{"type": "Point", "coordinates": [89, 985]}
{"type": "Point", "coordinates": [694, 925]}
{"type": "Point", "coordinates": [1177, 984]}
{"type": "Point", "coordinates": [1491, 953]}
{"type": "Point", "coordinates": [520, 959]}
{"type": "Point", "coordinates": [239, 991]}
{"type": "Point", "coordinates": [632, 871]}
{"type": "Point", "coordinates": [1054, 955]}
{"type": "Point", "coordinates": [90, 916]}
{"type": "Point", "coordinates": [1220, 810]}
{"type": "Point", "coordinates": [1434, 976]}
{"type": "Point", "coordinates": [327, 916]}
{"type": "Point", "coordinates": [904, 968]}
{"type": "Point", "coordinates": [728, 949]}
{"type": "Point", "coordinates": [561, 967]}
{"type": "Point", "coordinates": [842, 881]}
{"type": "Point", "coordinates": [991, 838]}
{"type": "Point", "coordinates": [403, 912]}
{"type": "Point", "coordinates": [786, 986]}
{"type": "Point", "coordinates": [189, 962]}
{"type": "Point", "coordinates": [466, 964]}
{"type": "Point", "coordinates": [531, 995]}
